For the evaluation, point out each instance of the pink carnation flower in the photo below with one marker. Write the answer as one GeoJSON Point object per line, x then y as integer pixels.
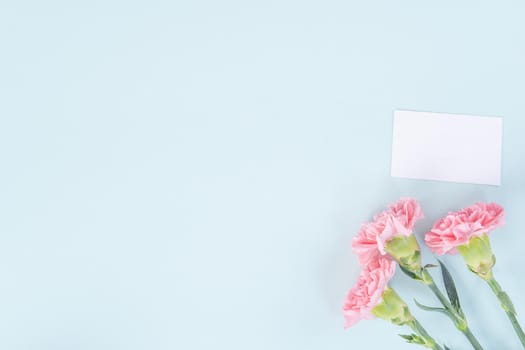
{"type": "Point", "coordinates": [365, 243]}
{"type": "Point", "coordinates": [403, 214]}
{"type": "Point", "coordinates": [494, 216]}
{"type": "Point", "coordinates": [368, 291]}
{"type": "Point", "coordinates": [458, 228]}
{"type": "Point", "coordinates": [398, 219]}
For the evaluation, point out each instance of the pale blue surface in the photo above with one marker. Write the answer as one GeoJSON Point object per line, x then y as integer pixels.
{"type": "Point", "coordinates": [188, 175]}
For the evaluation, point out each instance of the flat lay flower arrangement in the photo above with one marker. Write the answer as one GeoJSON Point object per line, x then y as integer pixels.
{"type": "Point", "coordinates": [389, 241]}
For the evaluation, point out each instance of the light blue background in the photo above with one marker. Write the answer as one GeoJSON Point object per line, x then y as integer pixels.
{"type": "Point", "coordinates": [189, 174]}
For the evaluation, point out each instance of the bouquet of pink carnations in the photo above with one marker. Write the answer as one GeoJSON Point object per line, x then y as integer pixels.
{"type": "Point", "coordinates": [389, 240]}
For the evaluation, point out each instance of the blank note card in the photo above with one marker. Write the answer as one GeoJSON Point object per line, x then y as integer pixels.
{"type": "Point", "coordinates": [447, 147]}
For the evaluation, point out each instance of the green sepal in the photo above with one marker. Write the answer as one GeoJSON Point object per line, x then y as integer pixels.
{"type": "Point", "coordinates": [409, 273]}
{"type": "Point", "coordinates": [392, 308]}
{"type": "Point", "coordinates": [406, 251]}
{"type": "Point", "coordinates": [478, 255]}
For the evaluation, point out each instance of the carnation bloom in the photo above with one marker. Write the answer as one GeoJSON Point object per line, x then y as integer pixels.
{"type": "Point", "coordinates": [397, 220]}
{"type": "Point", "coordinates": [365, 243]}
{"type": "Point", "coordinates": [467, 232]}
{"type": "Point", "coordinates": [456, 229]}
{"type": "Point", "coordinates": [368, 291]}
{"type": "Point", "coordinates": [403, 215]}
{"type": "Point", "coordinates": [494, 216]}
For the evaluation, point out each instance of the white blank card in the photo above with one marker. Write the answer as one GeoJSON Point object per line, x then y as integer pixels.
{"type": "Point", "coordinates": [447, 147]}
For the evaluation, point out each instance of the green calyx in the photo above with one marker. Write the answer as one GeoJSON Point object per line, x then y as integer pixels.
{"type": "Point", "coordinates": [406, 251]}
{"type": "Point", "coordinates": [393, 309]}
{"type": "Point", "coordinates": [478, 255]}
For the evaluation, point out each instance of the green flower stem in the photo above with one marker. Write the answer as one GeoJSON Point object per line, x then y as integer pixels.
{"type": "Point", "coordinates": [459, 319]}
{"type": "Point", "coordinates": [429, 341]}
{"type": "Point", "coordinates": [507, 305]}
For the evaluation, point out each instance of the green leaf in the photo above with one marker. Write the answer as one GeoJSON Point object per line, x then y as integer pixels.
{"type": "Point", "coordinates": [427, 266]}
{"type": "Point", "coordinates": [450, 286]}
{"type": "Point", "coordinates": [430, 308]}
{"type": "Point", "coordinates": [446, 347]}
